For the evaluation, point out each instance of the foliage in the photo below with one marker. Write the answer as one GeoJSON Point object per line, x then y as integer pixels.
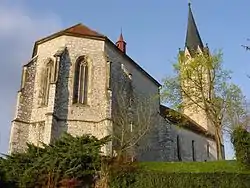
{"type": "Point", "coordinates": [68, 160]}
{"type": "Point", "coordinates": [202, 84]}
{"type": "Point", "coordinates": [241, 142]}
{"type": "Point", "coordinates": [3, 179]}
{"type": "Point", "coordinates": [121, 172]}
{"type": "Point", "coordinates": [178, 175]}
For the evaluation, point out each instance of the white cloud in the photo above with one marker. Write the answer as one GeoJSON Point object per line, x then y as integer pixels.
{"type": "Point", "coordinates": [19, 29]}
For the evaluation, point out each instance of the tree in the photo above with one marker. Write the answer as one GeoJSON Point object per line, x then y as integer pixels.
{"type": "Point", "coordinates": [202, 84]}
{"type": "Point", "coordinates": [133, 115]}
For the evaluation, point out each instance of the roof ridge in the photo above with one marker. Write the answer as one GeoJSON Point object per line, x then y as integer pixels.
{"type": "Point", "coordinates": [72, 26]}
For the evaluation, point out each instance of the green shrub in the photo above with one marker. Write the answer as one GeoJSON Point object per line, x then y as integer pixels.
{"type": "Point", "coordinates": [69, 160]}
{"type": "Point", "coordinates": [241, 142]}
{"type": "Point", "coordinates": [156, 179]}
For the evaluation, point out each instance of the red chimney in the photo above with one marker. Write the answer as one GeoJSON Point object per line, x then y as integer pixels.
{"type": "Point", "coordinates": [121, 44]}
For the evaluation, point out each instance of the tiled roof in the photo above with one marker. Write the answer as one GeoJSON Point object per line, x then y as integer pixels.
{"type": "Point", "coordinates": [184, 121]}
{"type": "Point", "coordinates": [83, 30]}
{"type": "Point", "coordinates": [76, 30]}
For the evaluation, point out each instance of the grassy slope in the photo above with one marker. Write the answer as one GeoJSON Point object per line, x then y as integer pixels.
{"type": "Point", "coordinates": [195, 167]}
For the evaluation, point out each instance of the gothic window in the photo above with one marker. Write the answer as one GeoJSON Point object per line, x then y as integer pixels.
{"type": "Point", "coordinates": [81, 81]}
{"type": "Point", "coordinates": [178, 148]}
{"type": "Point", "coordinates": [193, 150]}
{"type": "Point", "coordinates": [47, 78]}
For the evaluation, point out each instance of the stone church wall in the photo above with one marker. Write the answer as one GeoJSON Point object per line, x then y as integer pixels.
{"type": "Point", "coordinates": [141, 82]}
{"type": "Point", "coordinates": [77, 118]}
{"type": "Point", "coordinates": [156, 144]}
{"type": "Point", "coordinates": [201, 143]}
{"type": "Point", "coordinates": [20, 124]}
{"type": "Point", "coordinates": [19, 136]}
{"type": "Point", "coordinates": [26, 93]}
{"type": "Point", "coordinates": [45, 51]}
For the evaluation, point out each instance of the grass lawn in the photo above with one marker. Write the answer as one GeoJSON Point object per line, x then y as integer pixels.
{"type": "Point", "coordinates": [195, 167]}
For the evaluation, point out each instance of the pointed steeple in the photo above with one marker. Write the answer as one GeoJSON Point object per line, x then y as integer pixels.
{"type": "Point", "coordinates": [193, 39]}
{"type": "Point", "coordinates": [121, 44]}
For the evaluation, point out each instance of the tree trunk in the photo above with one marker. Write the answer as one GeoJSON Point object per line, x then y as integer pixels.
{"type": "Point", "coordinates": [218, 144]}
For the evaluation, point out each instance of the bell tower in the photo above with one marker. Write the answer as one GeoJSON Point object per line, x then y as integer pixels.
{"type": "Point", "coordinates": [194, 46]}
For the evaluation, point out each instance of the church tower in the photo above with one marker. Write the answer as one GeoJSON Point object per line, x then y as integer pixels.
{"type": "Point", "coordinates": [194, 46]}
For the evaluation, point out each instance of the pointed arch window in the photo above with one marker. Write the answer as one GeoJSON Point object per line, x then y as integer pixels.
{"type": "Point", "coordinates": [81, 81]}
{"type": "Point", "coordinates": [47, 78]}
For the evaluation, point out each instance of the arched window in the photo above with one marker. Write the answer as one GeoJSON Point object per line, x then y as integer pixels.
{"type": "Point", "coordinates": [81, 81]}
{"type": "Point", "coordinates": [47, 78]}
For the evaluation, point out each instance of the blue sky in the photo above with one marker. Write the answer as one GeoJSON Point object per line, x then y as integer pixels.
{"type": "Point", "coordinates": [153, 30]}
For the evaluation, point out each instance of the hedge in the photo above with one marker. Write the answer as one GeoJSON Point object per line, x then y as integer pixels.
{"type": "Point", "coordinates": [241, 142]}
{"type": "Point", "coordinates": [156, 179]}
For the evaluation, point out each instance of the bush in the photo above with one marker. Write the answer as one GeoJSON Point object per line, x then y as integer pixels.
{"type": "Point", "coordinates": [241, 142]}
{"type": "Point", "coordinates": [152, 179]}
{"type": "Point", "coordinates": [122, 173]}
{"type": "Point", "coordinates": [68, 161]}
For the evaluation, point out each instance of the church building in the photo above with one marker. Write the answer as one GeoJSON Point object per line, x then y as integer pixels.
{"type": "Point", "coordinates": [74, 82]}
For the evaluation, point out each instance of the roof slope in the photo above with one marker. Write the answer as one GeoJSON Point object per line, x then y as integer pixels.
{"type": "Point", "coordinates": [76, 30]}
{"type": "Point", "coordinates": [183, 121]}
{"type": "Point", "coordinates": [83, 30]}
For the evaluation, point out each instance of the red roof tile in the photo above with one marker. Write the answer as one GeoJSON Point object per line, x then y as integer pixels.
{"type": "Point", "coordinates": [77, 30]}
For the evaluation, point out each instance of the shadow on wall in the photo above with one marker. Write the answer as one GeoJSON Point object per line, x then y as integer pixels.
{"type": "Point", "coordinates": [62, 96]}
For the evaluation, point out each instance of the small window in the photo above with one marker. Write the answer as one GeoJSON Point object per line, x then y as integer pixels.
{"type": "Point", "coordinates": [193, 150]}
{"type": "Point", "coordinates": [24, 77]}
{"type": "Point", "coordinates": [223, 151]}
{"type": "Point", "coordinates": [178, 148]}
{"type": "Point", "coordinates": [208, 151]}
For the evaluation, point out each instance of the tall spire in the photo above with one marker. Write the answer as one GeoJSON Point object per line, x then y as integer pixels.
{"type": "Point", "coordinates": [193, 39]}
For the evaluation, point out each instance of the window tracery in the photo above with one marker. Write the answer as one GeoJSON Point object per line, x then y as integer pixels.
{"type": "Point", "coordinates": [81, 81]}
